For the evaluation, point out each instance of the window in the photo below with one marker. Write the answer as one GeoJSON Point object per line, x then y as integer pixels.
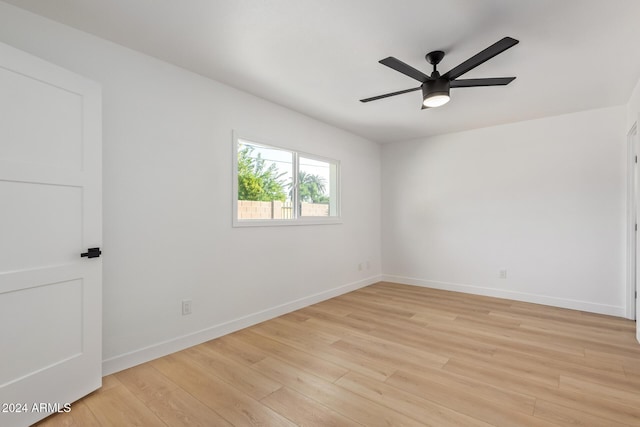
{"type": "Point", "coordinates": [276, 186]}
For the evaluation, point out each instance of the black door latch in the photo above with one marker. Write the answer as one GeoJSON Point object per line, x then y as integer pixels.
{"type": "Point", "coordinates": [92, 253]}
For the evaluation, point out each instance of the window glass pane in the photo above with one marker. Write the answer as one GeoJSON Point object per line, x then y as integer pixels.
{"type": "Point", "coordinates": [317, 187]}
{"type": "Point", "coordinates": [265, 177]}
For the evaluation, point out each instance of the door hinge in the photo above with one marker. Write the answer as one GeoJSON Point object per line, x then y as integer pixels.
{"type": "Point", "coordinates": [636, 159]}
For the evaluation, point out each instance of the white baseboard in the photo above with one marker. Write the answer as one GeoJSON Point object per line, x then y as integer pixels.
{"type": "Point", "coordinates": [136, 357]}
{"type": "Point", "coordinates": [518, 296]}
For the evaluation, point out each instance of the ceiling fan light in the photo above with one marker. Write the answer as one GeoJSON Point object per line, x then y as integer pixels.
{"type": "Point", "coordinates": [435, 101]}
{"type": "Point", "coordinates": [435, 93]}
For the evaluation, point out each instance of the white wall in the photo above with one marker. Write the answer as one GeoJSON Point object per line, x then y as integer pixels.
{"type": "Point", "coordinates": [633, 107]}
{"type": "Point", "coordinates": [167, 200]}
{"type": "Point", "coordinates": [543, 199]}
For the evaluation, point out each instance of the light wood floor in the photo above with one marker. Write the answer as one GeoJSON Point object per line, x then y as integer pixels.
{"type": "Point", "coordinates": [391, 355]}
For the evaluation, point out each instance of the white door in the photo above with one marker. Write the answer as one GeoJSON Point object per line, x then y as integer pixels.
{"type": "Point", "coordinates": [50, 212]}
{"type": "Point", "coordinates": [635, 145]}
{"type": "Point", "coordinates": [633, 207]}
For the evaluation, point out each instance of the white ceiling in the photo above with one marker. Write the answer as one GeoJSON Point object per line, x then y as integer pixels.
{"type": "Point", "coordinates": [320, 57]}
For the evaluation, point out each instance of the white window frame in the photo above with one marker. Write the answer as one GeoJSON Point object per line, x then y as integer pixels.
{"type": "Point", "coordinates": [297, 219]}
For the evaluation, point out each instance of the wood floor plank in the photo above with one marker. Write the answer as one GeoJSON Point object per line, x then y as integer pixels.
{"type": "Point", "coordinates": [418, 335]}
{"type": "Point", "coordinates": [430, 298]}
{"type": "Point", "coordinates": [80, 416]}
{"type": "Point", "coordinates": [631, 368]}
{"type": "Point", "coordinates": [233, 405]}
{"type": "Point", "coordinates": [561, 359]}
{"type": "Point", "coordinates": [579, 367]}
{"type": "Point", "coordinates": [573, 330]}
{"type": "Point", "coordinates": [512, 340]}
{"type": "Point", "coordinates": [295, 316]}
{"type": "Point", "coordinates": [377, 303]}
{"type": "Point", "coordinates": [613, 323]}
{"type": "Point", "coordinates": [437, 342]}
{"type": "Point", "coordinates": [346, 322]}
{"type": "Point", "coordinates": [180, 409]}
{"type": "Point", "coordinates": [585, 402]}
{"type": "Point", "coordinates": [198, 381]}
{"type": "Point", "coordinates": [117, 406]}
{"type": "Point", "coordinates": [632, 376]}
{"type": "Point", "coordinates": [145, 382]}
{"type": "Point", "coordinates": [388, 352]}
{"type": "Point", "coordinates": [369, 308]}
{"type": "Point", "coordinates": [494, 374]}
{"type": "Point", "coordinates": [518, 368]}
{"type": "Point", "coordinates": [234, 346]}
{"type": "Point", "coordinates": [337, 398]}
{"type": "Point", "coordinates": [629, 397]}
{"type": "Point", "coordinates": [388, 355]}
{"type": "Point", "coordinates": [364, 365]}
{"type": "Point", "coordinates": [621, 346]}
{"type": "Point", "coordinates": [441, 380]}
{"type": "Point", "coordinates": [427, 412]}
{"type": "Point", "coordinates": [108, 382]}
{"type": "Point", "coordinates": [330, 306]}
{"type": "Point", "coordinates": [305, 411]}
{"type": "Point", "coordinates": [306, 361]}
{"type": "Point", "coordinates": [293, 332]}
{"type": "Point", "coordinates": [571, 417]}
{"type": "Point", "coordinates": [458, 398]}
{"type": "Point", "coordinates": [612, 353]}
{"type": "Point", "coordinates": [231, 371]}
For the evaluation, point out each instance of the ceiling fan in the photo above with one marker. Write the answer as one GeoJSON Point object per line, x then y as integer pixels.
{"type": "Point", "coordinates": [435, 88]}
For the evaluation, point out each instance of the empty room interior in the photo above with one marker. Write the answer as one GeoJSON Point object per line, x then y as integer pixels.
{"type": "Point", "coordinates": [297, 212]}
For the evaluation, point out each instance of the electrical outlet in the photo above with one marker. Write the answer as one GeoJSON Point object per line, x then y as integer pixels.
{"type": "Point", "coordinates": [186, 307]}
{"type": "Point", "coordinates": [503, 273]}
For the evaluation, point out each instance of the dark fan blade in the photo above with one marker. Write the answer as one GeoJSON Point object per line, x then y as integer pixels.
{"type": "Point", "coordinates": [400, 92]}
{"type": "Point", "coordinates": [481, 57]}
{"type": "Point", "coordinates": [405, 69]}
{"type": "Point", "coordinates": [495, 81]}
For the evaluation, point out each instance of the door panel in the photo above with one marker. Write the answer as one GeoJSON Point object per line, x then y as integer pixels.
{"type": "Point", "coordinates": [45, 219]}
{"type": "Point", "coordinates": [42, 124]}
{"type": "Point", "coordinates": [50, 188]}
{"type": "Point", "coordinates": [61, 304]}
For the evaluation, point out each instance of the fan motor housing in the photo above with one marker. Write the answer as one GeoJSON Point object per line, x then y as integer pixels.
{"type": "Point", "coordinates": [438, 86]}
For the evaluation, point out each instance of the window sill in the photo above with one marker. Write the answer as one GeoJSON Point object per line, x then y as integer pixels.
{"type": "Point", "coordinates": [286, 222]}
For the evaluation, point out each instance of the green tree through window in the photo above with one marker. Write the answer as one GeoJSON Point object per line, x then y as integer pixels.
{"type": "Point", "coordinates": [255, 182]}
{"type": "Point", "coordinates": [312, 188]}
